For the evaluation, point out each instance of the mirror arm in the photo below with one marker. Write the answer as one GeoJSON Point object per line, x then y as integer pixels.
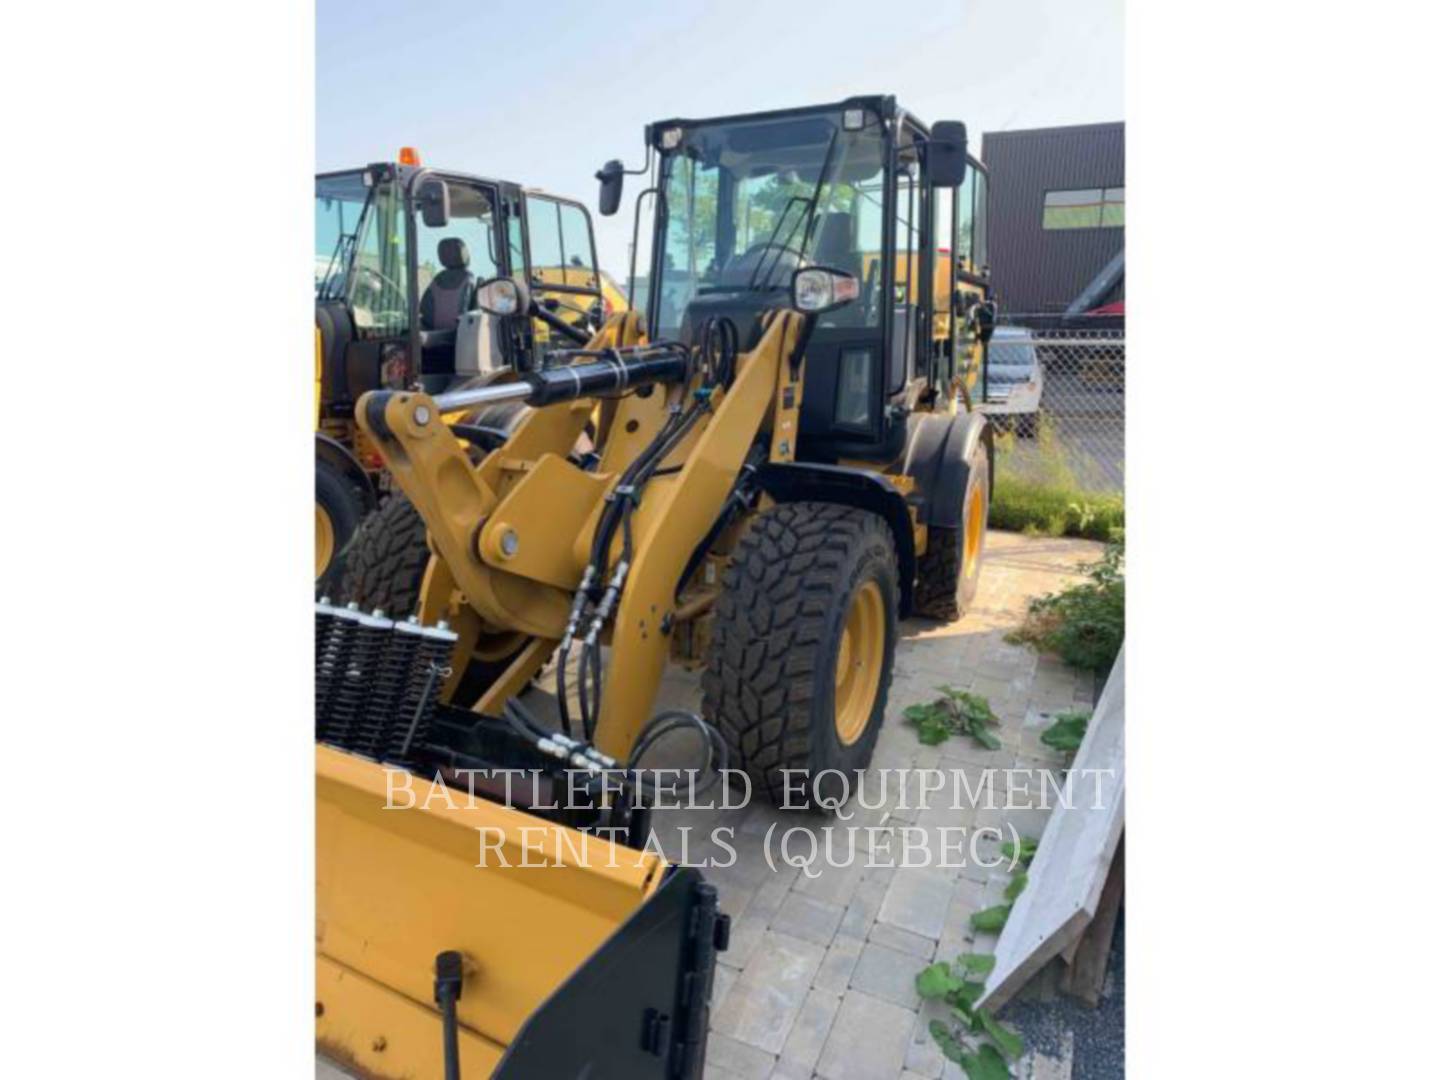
{"type": "Point", "coordinates": [550, 319]}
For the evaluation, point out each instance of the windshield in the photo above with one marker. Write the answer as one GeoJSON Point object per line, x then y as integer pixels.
{"type": "Point", "coordinates": [750, 201]}
{"type": "Point", "coordinates": [339, 204]}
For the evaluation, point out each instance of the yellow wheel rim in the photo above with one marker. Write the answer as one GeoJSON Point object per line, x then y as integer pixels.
{"type": "Point", "coordinates": [857, 667]}
{"type": "Point", "coordinates": [324, 540]}
{"type": "Point", "coordinates": [974, 529]}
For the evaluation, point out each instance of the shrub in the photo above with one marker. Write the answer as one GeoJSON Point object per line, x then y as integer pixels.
{"type": "Point", "coordinates": [1025, 507]}
{"type": "Point", "coordinates": [1085, 624]}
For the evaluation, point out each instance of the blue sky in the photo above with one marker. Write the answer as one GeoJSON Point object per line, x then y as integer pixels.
{"type": "Point", "coordinates": [547, 98]}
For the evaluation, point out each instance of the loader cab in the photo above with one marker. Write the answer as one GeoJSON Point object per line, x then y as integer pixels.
{"type": "Point", "coordinates": [399, 249]}
{"type": "Point", "coordinates": [742, 202]}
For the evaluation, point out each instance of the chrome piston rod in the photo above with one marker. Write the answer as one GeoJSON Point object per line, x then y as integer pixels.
{"type": "Point", "coordinates": [483, 395]}
{"type": "Point", "coordinates": [615, 373]}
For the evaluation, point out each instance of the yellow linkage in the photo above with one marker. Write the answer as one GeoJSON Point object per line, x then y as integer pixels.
{"type": "Point", "coordinates": [512, 535]}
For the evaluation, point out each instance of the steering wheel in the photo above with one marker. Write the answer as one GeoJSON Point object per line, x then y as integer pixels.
{"type": "Point", "coordinates": [379, 284]}
{"type": "Point", "coordinates": [739, 269]}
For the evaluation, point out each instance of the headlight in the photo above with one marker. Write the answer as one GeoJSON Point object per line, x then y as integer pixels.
{"type": "Point", "coordinates": [816, 289]}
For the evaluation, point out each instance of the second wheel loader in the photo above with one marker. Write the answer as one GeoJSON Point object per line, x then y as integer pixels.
{"type": "Point", "coordinates": [399, 248]}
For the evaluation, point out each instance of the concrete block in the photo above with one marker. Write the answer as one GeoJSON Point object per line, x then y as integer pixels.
{"type": "Point", "coordinates": [922, 948]}
{"type": "Point", "coordinates": [762, 1005]}
{"type": "Point", "coordinates": [839, 962]}
{"type": "Point", "coordinates": [887, 973]}
{"type": "Point", "coordinates": [811, 1029]}
{"type": "Point", "coordinates": [808, 918]}
{"type": "Point", "coordinates": [917, 900]}
{"type": "Point", "coordinates": [732, 1058]}
{"type": "Point", "coordinates": [868, 1039]}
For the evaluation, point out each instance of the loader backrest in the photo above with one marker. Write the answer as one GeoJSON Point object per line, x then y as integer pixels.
{"type": "Point", "coordinates": [448, 295]}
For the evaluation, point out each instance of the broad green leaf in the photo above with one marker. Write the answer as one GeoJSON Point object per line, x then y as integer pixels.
{"type": "Point", "coordinates": [935, 981]}
{"type": "Point", "coordinates": [1016, 886]}
{"type": "Point", "coordinates": [985, 1065]}
{"type": "Point", "coordinates": [1067, 732]}
{"type": "Point", "coordinates": [1008, 1040]}
{"type": "Point", "coordinates": [950, 1046]}
{"type": "Point", "coordinates": [962, 999]}
{"type": "Point", "coordinates": [990, 919]}
{"type": "Point", "coordinates": [979, 963]}
{"type": "Point", "coordinates": [933, 734]}
{"type": "Point", "coordinates": [1027, 850]}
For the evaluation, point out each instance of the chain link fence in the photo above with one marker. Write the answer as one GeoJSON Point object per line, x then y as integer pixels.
{"type": "Point", "coordinates": [1057, 397]}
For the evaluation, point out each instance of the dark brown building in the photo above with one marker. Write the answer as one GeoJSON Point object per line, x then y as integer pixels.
{"type": "Point", "coordinates": [1057, 217]}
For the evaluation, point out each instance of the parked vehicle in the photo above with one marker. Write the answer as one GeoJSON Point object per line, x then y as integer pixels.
{"type": "Point", "coordinates": [1014, 381]}
{"type": "Point", "coordinates": [399, 249]}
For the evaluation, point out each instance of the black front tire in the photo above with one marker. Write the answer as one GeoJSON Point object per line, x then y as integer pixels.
{"type": "Point", "coordinates": [387, 560]}
{"type": "Point", "coordinates": [769, 682]}
{"type": "Point", "coordinates": [345, 505]}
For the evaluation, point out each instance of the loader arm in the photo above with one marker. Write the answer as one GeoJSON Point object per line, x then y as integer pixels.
{"type": "Point", "coordinates": [515, 531]}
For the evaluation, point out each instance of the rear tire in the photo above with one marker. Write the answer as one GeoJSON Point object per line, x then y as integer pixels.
{"type": "Point", "coordinates": [339, 508]}
{"type": "Point", "coordinates": [809, 584]}
{"type": "Point", "coordinates": [386, 569]}
{"type": "Point", "coordinates": [387, 560]}
{"type": "Point", "coordinates": [948, 575]}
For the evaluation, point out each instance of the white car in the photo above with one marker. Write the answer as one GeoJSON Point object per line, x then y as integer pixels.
{"type": "Point", "coordinates": [1013, 382]}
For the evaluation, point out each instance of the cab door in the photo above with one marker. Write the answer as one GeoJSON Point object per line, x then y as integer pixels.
{"type": "Point", "coordinates": [970, 272]}
{"type": "Point", "coordinates": [561, 267]}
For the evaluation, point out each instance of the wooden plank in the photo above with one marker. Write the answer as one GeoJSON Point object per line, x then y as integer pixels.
{"type": "Point", "coordinates": [1071, 865]}
{"type": "Point", "coordinates": [1085, 977]}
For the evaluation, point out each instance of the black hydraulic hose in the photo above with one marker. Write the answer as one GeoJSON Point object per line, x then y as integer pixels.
{"type": "Point", "coordinates": [449, 975]}
{"type": "Point", "coordinates": [487, 438]}
{"type": "Point", "coordinates": [716, 354]}
{"type": "Point", "coordinates": [522, 720]}
{"type": "Point", "coordinates": [587, 717]}
{"type": "Point", "coordinates": [717, 758]}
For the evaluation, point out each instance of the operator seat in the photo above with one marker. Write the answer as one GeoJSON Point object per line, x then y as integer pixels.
{"type": "Point", "coordinates": [835, 244]}
{"type": "Point", "coordinates": [448, 296]}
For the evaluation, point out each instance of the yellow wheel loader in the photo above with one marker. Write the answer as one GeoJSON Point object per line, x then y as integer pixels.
{"type": "Point", "coordinates": [398, 251]}
{"type": "Point", "coordinates": [757, 475]}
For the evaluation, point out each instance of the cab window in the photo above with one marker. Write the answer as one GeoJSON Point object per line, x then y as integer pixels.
{"type": "Point", "coordinates": [980, 256]}
{"type": "Point", "coordinates": [561, 251]}
{"type": "Point", "coordinates": [965, 222]}
{"type": "Point", "coordinates": [472, 222]}
{"type": "Point", "coordinates": [575, 247]}
{"type": "Point", "coordinates": [379, 293]}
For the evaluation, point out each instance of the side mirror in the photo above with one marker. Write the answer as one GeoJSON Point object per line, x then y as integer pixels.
{"type": "Point", "coordinates": [503, 297]}
{"type": "Point", "coordinates": [946, 152]}
{"type": "Point", "coordinates": [983, 317]}
{"type": "Point", "coordinates": [612, 183]}
{"type": "Point", "coordinates": [434, 199]}
{"type": "Point", "coordinates": [817, 289]}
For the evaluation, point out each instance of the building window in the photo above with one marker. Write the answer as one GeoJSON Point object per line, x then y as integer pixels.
{"type": "Point", "coordinates": [1088, 208]}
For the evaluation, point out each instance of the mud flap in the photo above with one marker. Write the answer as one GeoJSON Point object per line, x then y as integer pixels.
{"type": "Point", "coordinates": [579, 956]}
